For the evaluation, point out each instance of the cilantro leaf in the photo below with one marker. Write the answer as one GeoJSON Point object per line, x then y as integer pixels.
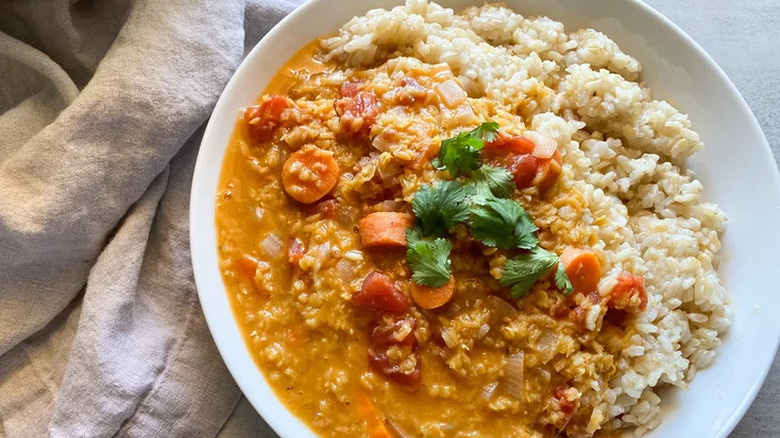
{"type": "Point", "coordinates": [562, 280]}
{"type": "Point", "coordinates": [487, 131]}
{"type": "Point", "coordinates": [429, 259]}
{"type": "Point", "coordinates": [460, 154]}
{"type": "Point", "coordinates": [522, 271]}
{"type": "Point", "coordinates": [504, 224]}
{"type": "Point", "coordinates": [498, 180]}
{"type": "Point", "coordinates": [440, 209]}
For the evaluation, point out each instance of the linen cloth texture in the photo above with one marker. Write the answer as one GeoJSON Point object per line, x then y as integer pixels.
{"type": "Point", "coordinates": [102, 104]}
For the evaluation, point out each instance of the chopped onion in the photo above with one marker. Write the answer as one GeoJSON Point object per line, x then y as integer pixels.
{"type": "Point", "coordinates": [513, 375]}
{"type": "Point", "coordinates": [346, 270]}
{"type": "Point", "coordinates": [389, 205]}
{"type": "Point", "coordinates": [483, 331]}
{"type": "Point", "coordinates": [450, 93]}
{"type": "Point", "coordinates": [488, 390]}
{"type": "Point", "coordinates": [544, 147]}
{"type": "Point", "coordinates": [272, 245]}
{"type": "Point", "coordinates": [547, 345]}
{"type": "Point", "coordinates": [388, 172]}
{"type": "Point", "coordinates": [501, 307]}
{"type": "Point", "coordinates": [382, 142]}
{"type": "Point", "coordinates": [399, 432]}
{"type": "Point", "coordinates": [464, 115]}
{"type": "Point", "coordinates": [347, 216]}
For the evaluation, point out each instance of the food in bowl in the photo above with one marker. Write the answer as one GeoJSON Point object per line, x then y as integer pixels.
{"type": "Point", "coordinates": [472, 224]}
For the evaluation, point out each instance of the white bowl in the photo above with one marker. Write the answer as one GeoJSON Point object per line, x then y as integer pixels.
{"type": "Point", "coordinates": [736, 167]}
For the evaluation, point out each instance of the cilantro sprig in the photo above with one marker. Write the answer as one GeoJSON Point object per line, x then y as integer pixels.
{"type": "Point", "coordinates": [439, 210]}
{"type": "Point", "coordinates": [483, 204]}
{"type": "Point", "coordinates": [428, 258]}
{"type": "Point", "coordinates": [497, 180]}
{"type": "Point", "coordinates": [503, 224]}
{"type": "Point", "coordinates": [461, 153]}
{"type": "Point", "coordinates": [522, 271]}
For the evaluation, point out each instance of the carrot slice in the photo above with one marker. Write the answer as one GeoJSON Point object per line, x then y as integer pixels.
{"type": "Point", "coordinates": [386, 228]}
{"type": "Point", "coordinates": [433, 297]}
{"type": "Point", "coordinates": [583, 268]}
{"type": "Point", "coordinates": [366, 409]}
{"type": "Point", "coordinates": [309, 174]}
{"type": "Point", "coordinates": [246, 266]}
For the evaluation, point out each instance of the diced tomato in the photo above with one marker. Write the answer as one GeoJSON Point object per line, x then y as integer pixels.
{"type": "Point", "coordinates": [516, 154]}
{"type": "Point", "coordinates": [381, 364]}
{"type": "Point", "coordinates": [358, 113]}
{"type": "Point", "coordinates": [327, 209]}
{"type": "Point", "coordinates": [506, 144]}
{"type": "Point", "coordinates": [382, 336]}
{"type": "Point", "coordinates": [523, 168]}
{"type": "Point", "coordinates": [410, 92]}
{"type": "Point", "coordinates": [568, 400]}
{"type": "Point", "coordinates": [262, 120]}
{"type": "Point", "coordinates": [395, 333]}
{"type": "Point", "coordinates": [350, 89]}
{"type": "Point", "coordinates": [295, 250]}
{"type": "Point", "coordinates": [548, 172]}
{"type": "Point", "coordinates": [629, 293]}
{"type": "Point", "coordinates": [378, 293]}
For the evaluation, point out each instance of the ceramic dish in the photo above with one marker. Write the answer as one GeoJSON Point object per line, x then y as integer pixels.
{"type": "Point", "coordinates": [678, 71]}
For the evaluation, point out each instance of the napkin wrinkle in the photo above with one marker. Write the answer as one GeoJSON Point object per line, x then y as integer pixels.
{"type": "Point", "coordinates": [101, 333]}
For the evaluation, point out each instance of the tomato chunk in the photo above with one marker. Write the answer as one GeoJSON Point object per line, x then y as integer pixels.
{"type": "Point", "coordinates": [262, 120]}
{"type": "Point", "coordinates": [629, 293]}
{"type": "Point", "coordinates": [295, 250]}
{"type": "Point", "coordinates": [548, 172]}
{"type": "Point", "coordinates": [523, 169]}
{"type": "Point", "coordinates": [507, 144]}
{"type": "Point", "coordinates": [327, 209]}
{"type": "Point", "coordinates": [378, 293]}
{"type": "Point", "coordinates": [350, 89]}
{"type": "Point", "coordinates": [358, 113]}
{"type": "Point", "coordinates": [386, 334]}
{"type": "Point", "coordinates": [566, 401]}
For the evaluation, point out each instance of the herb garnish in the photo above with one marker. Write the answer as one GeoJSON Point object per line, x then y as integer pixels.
{"type": "Point", "coordinates": [440, 209]}
{"type": "Point", "coordinates": [460, 154]}
{"type": "Point", "coordinates": [522, 271]}
{"type": "Point", "coordinates": [428, 258]}
{"type": "Point", "coordinates": [504, 224]}
{"type": "Point", "coordinates": [483, 203]}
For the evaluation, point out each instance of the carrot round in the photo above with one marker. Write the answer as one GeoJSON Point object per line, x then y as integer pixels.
{"type": "Point", "coordinates": [246, 266]}
{"type": "Point", "coordinates": [366, 409]}
{"type": "Point", "coordinates": [433, 297]}
{"type": "Point", "coordinates": [583, 268]}
{"type": "Point", "coordinates": [386, 228]}
{"type": "Point", "coordinates": [309, 174]}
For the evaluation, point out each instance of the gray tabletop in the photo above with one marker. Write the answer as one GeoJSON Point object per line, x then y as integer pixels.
{"type": "Point", "coordinates": [744, 38]}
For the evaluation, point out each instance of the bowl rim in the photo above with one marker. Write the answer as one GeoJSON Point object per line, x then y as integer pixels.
{"type": "Point", "coordinates": [280, 424]}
